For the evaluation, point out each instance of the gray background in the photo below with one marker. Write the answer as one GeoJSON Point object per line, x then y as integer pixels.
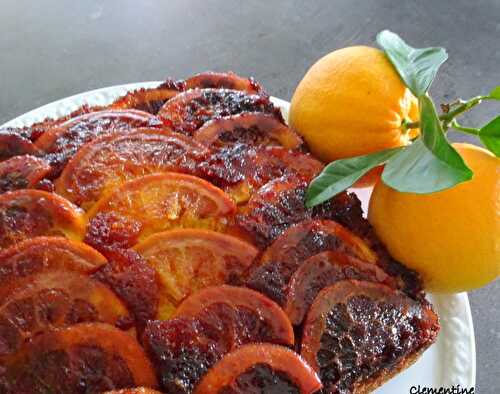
{"type": "Point", "coordinates": [52, 49]}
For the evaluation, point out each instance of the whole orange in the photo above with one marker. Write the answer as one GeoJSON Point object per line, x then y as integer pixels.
{"type": "Point", "coordinates": [352, 102]}
{"type": "Point", "coordinates": [452, 237]}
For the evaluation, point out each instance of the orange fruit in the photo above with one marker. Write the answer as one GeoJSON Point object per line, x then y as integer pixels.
{"type": "Point", "coordinates": [352, 102]}
{"type": "Point", "coordinates": [452, 237]}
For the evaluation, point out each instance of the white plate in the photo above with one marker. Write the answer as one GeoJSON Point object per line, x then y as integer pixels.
{"type": "Point", "coordinates": [450, 361]}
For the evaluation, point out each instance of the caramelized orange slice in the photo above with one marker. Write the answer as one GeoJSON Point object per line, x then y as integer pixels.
{"type": "Point", "coordinates": [166, 201]}
{"type": "Point", "coordinates": [45, 254]}
{"type": "Point", "coordinates": [109, 161]}
{"type": "Point", "coordinates": [241, 169]}
{"type": "Point", "coordinates": [208, 325]}
{"type": "Point", "coordinates": [228, 80]}
{"type": "Point", "coordinates": [55, 299]}
{"type": "Point", "coordinates": [30, 213]}
{"type": "Point", "coordinates": [92, 357]}
{"type": "Point", "coordinates": [309, 238]}
{"type": "Point", "coordinates": [248, 128]}
{"type": "Point", "coordinates": [294, 246]}
{"type": "Point", "coordinates": [22, 172]}
{"type": "Point", "coordinates": [60, 143]}
{"type": "Point", "coordinates": [188, 111]}
{"type": "Point", "coordinates": [34, 131]}
{"type": "Point", "coordinates": [358, 334]}
{"type": "Point", "coordinates": [260, 368]}
{"type": "Point", "coordinates": [323, 270]}
{"type": "Point", "coordinates": [151, 99]}
{"type": "Point", "coordinates": [15, 142]}
{"type": "Point", "coordinates": [188, 260]}
{"type": "Point", "coordinates": [249, 316]}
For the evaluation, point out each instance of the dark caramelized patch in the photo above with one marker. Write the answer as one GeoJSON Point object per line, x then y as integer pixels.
{"type": "Point", "coordinates": [83, 367]}
{"type": "Point", "coordinates": [261, 378]}
{"type": "Point", "coordinates": [133, 280]}
{"type": "Point", "coordinates": [241, 325]}
{"type": "Point", "coordinates": [22, 172]}
{"type": "Point", "coordinates": [188, 111]}
{"type": "Point", "coordinates": [108, 231]}
{"type": "Point", "coordinates": [227, 80]}
{"type": "Point", "coordinates": [359, 332]}
{"type": "Point", "coordinates": [182, 351]}
{"type": "Point", "coordinates": [62, 142]}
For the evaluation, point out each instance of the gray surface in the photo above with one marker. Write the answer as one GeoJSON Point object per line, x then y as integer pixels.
{"type": "Point", "coordinates": [53, 49]}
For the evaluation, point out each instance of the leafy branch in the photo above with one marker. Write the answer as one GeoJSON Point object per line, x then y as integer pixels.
{"type": "Point", "coordinates": [430, 163]}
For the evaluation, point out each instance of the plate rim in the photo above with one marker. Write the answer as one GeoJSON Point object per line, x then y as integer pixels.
{"type": "Point", "coordinates": [105, 95]}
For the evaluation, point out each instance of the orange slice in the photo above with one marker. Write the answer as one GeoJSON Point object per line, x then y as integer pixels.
{"type": "Point", "coordinates": [188, 111]}
{"type": "Point", "coordinates": [55, 299]}
{"type": "Point", "coordinates": [149, 100]}
{"type": "Point", "coordinates": [31, 213]}
{"type": "Point", "coordinates": [188, 260]}
{"type": "Point", "coordinates": [241, 170]}
{"type": "Point", "coordinates": [107, 162]}
{"type": "Point", "coordinates": [249, 128]}
{"type": "Point", "coordinates": [285, 255]}
{"type": "Point", "coordinates": [22, 172]}
{"type": "Point", "coordinates": [228, 80]}
{"type": "Point", "coordinates": [15, 142]}
{"type": "Point", "coordinates": [323, 270]}
{"type": "Point", "coordinates": [259, 368]}
{"type": "Point", "coordinates": [45, 254]}
{"type": "Point", "coordinates": [61, 142]}
{"type": "Point", "coordinates": [167, 201]}
{"type": "Point", "coordinates": [93, 356]}
{"type": "Point", "coordinates": [248, 315]}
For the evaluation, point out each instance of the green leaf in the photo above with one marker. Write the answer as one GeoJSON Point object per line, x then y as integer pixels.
{"type": "Point", "coordinates": [341, 174]}
{"type": "Point", "coordinates": [417, 67]}
{"type": "Point", "coordinates": [430, 164]}
{"type": "Point", "coordinates": [495, 93]}
{"type": "Point", "coordinates": [417, 170]}
{"type": "Point", "coordinates": [489, 135]}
